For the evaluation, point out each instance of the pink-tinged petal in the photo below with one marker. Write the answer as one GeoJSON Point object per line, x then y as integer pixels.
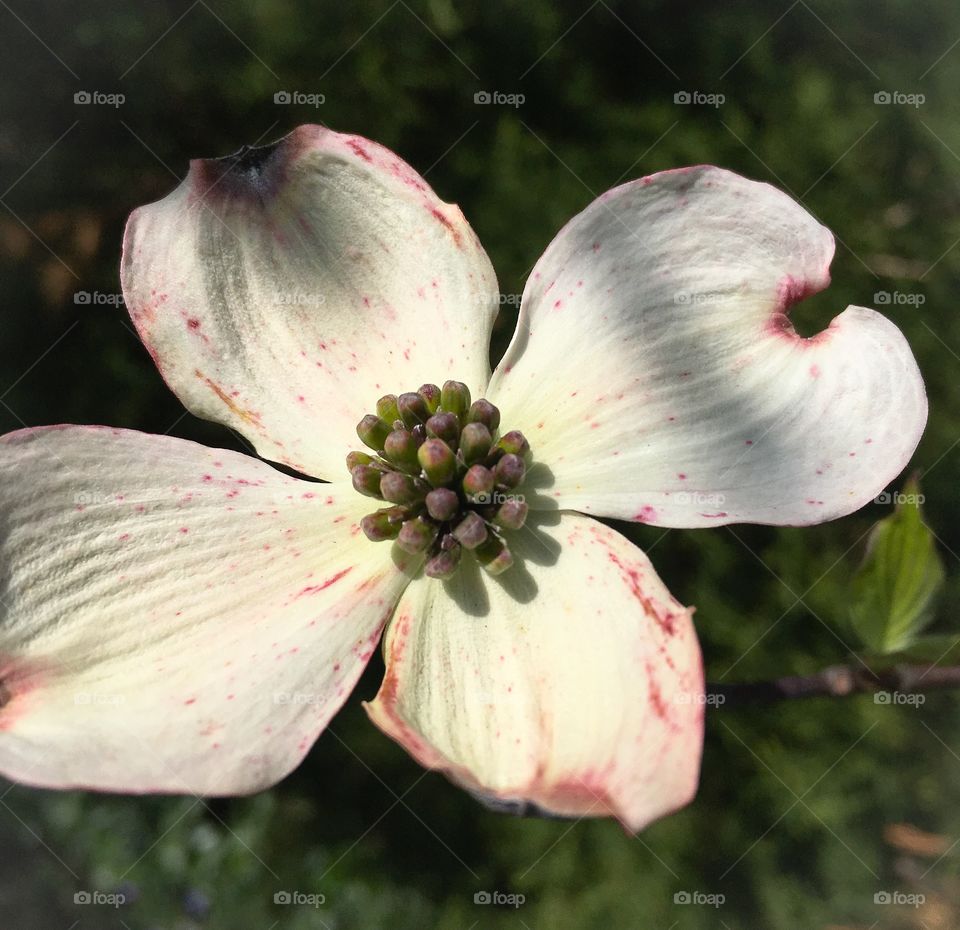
{"type": "Point", "coordinates": [284, 289]}
{"type": "Point", "coordinates": [577, 688]}
{"type": "Point", "coordinates": [656, 373]}
{"type": "Point", "coordinates": [174, 618]}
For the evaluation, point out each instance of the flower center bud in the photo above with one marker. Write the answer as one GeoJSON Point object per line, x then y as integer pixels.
{"type": "Point", "coordinates": [448, 474]}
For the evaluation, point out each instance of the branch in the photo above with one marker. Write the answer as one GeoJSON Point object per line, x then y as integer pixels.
{"type": "Point", "coordinates": [836, 681]}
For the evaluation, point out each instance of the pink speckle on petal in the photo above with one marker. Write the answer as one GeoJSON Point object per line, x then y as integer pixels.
{"type": "Point", "coordinates": [358, 149]}
{"type": "Point", "coordinates": [448, 225]}
{"type": "Point", "coordinates": [791, 291]}
{"type": "Point", "coordinates": [333, 579]}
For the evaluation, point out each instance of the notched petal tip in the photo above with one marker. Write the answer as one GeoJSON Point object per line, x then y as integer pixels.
{"type": "Point", "coordinates": [573, 801]}
{"type": "Point", "coordinates": [580, 799]}
{"type": "Point", "coordinates": [262, 170]}
{"type": "Point", "coordinates": [689, 370]}
{"type": "Point", "coordinates": [331, 244]}
{"type": "Point", "coordinates": [246, 170]}
{"type": "Point", "coordinates": [253, 170]}
{"type": "Point", "coordinates": [589, 706]}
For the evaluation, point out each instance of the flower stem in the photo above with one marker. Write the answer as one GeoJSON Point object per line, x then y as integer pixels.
{"type": "Point", "coordinates": [836, 681]}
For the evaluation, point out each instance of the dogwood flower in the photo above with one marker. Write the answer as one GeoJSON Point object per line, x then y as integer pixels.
{"type": "Point", "coordinates": [183, 619]}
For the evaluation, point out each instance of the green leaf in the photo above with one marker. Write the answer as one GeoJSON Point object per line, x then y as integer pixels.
{"type": "Point", "coordinates": [894, 588]}
{"type": "Point", "coordinates": [936, 649]}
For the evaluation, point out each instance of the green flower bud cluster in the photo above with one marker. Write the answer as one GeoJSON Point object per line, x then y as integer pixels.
{"type": "Point", "coordinates": [447, 473]}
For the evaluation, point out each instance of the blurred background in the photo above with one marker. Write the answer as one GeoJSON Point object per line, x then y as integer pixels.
{"type": "Point", "coordinates": [820, 814]}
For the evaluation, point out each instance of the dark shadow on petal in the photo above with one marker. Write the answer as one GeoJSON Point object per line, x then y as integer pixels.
{"type": "Point", "coordinates": [541, 503]}
{"type": "Point", "coordinates": [468, 587]}
{"type": "Point", "coordinates": [536, 486]}
{"type": "Point", "coordinates": [539, 477]}
{"type": "Point", "coordinates": [517, 581]}
{"type": "Point", "coordinates": [529, 543]}
{"type": "Point", "coordinates": [409, 564]}
{"type": "Point", "coordinates": [533, 543]}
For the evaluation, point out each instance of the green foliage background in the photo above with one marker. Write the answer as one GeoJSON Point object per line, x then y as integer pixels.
{"type": "Point", "coordinates": [793, 821]}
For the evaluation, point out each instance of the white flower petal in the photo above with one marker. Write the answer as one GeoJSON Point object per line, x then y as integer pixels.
{"type": "Point", "coordinates": [174, 618]}
{"type": "Point", "coordinates": [657, 375]}
{"type": "Point", "coordinates": [283, 290]}
{"type": "Point", "coordinates": [577, 687]}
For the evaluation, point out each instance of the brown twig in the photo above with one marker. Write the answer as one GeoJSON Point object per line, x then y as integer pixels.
{"type": "Point", "coordinates": [836, 681]}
